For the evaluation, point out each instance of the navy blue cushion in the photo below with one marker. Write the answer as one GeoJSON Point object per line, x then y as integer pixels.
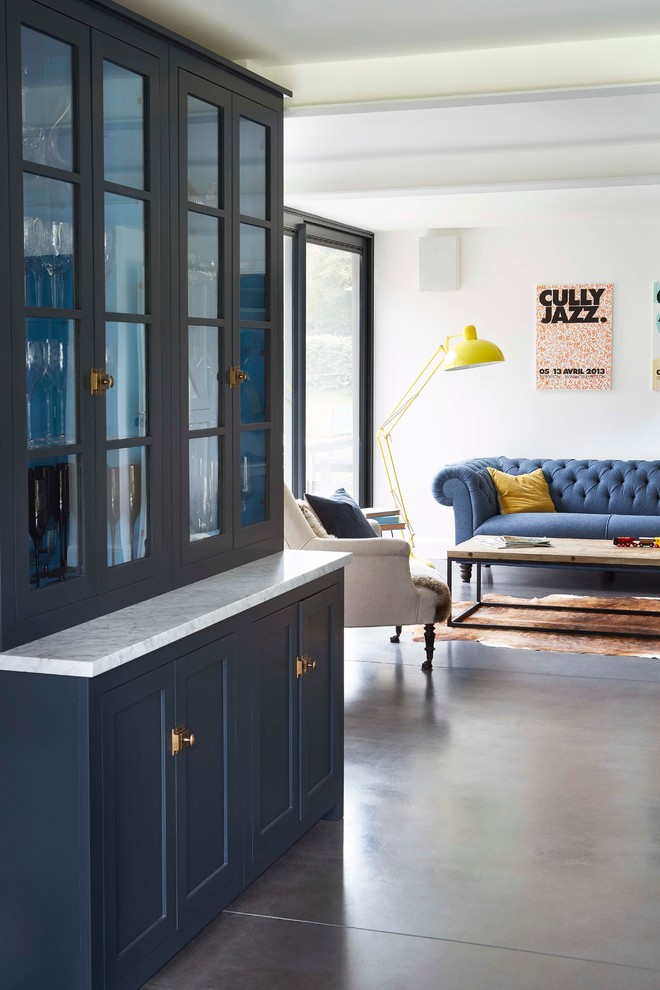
{"type": "Point", "coordinates": [341, 515]}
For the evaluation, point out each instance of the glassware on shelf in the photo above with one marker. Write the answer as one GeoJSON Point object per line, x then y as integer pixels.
{"type": "Point", "coordinates": [114, 508]}
{"type": "Point", "coordinates": [37, 513]}
{"type": "Point", "coordinates": [55, 377]}
{"type": "Point", "coordinates": [57, 155]}
{"type": "Point", "coordinates": [134, 501]}
{"type": "Point", "coordinates": [33, 250]}
{"type": "Point", "coordinates": [62, 262]}
{"type": "Point", "coordinates": [109, 250]}
{"type": "Point", "coordinates": [247, 486]}
{"type": "Point", "coordinates": [35, 369]}
{"type": "Point", "coordinates": [203, 488]}
{"type": "Point", "coordinates": [59, 510]}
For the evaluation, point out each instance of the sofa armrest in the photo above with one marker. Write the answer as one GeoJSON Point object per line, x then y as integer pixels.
{"type": "Point", "coordinates": [467, 487]}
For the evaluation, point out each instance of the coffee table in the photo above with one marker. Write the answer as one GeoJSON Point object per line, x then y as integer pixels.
{"type": "Point", "coordinates": [599, 555]}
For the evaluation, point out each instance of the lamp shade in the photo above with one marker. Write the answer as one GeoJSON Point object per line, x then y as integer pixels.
{"type": "Point", "coordinates": [470, 352]}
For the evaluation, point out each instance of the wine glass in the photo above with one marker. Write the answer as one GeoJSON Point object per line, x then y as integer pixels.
{"type": "Point", "coordinates": [247, 486]}
{"type": "Point", "coordinates": [114, 507]}
{"type": "Point", "coordinates": [56, 376]}
{"type": "Point", "coordinates": [59, 510]}
{"type": "Point", "coordinates": [33, 249]}
{"type": "Point", "coordinates": [63, 261]}
{"type": "Point", "coordinates": [35, 369]}
{"type": "Point", "coordinates": [37, 513]}
{"type": "Point", "coordinates": [134, 499]}
{"type": "Point", "coordinates": [109, 250]}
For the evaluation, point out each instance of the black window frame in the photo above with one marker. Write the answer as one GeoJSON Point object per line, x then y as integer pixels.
{"type": "Point", "coordinates": [306, 228]}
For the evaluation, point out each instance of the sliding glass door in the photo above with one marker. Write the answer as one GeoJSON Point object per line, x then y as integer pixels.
{"type": "Point", "coordinates": [328, 340]}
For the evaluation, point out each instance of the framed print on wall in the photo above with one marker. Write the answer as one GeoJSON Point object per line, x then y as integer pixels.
{"type": "Point", "coordinates": [574, 336]}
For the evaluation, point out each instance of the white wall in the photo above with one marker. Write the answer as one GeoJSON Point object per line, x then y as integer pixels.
{"type": "Point", "coordinates": [497, 410]}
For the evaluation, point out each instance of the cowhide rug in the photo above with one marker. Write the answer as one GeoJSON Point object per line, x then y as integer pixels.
{"type": "Point", "coordinates": [562, 642]}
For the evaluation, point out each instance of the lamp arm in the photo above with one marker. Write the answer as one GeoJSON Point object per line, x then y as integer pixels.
{"type": "Point", "coordinates": [434, 364]}
{"type": "Point", "coordinates": [384, 434]}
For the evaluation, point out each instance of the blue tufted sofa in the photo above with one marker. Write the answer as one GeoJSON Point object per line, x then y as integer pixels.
{"type": "Point", "coordinates": [595, 500]}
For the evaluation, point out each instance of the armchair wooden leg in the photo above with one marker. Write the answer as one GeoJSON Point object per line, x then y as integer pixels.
{"type": "Point", "coordinates": [466, 572]}
{"type": "Point", "coordinates": [395, 639]}
{"type": "Point", "coordinates": [429, 645]}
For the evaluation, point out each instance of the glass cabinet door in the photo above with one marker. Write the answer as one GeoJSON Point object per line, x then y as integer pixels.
{"type": "Point", "coordinates": [86, 151]}
{"type": "Point", "coordinates": [128, 356]}
{"type": "Point", "coordinates": [254, 309]}
{"type": "Point", "coordinates": [51, 550]}
{"type": "Point", "coordinates": [205, 353]}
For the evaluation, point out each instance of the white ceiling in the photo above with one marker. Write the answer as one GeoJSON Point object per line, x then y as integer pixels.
{"type": "Point", "coordinates": [276, 32]}
{"type": "Point", "coordinates": [476, 161]}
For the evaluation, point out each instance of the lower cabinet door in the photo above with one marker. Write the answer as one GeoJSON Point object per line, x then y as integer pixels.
{"type": "Point", "coordinates": [138, 820]}
{"type": "Point", "coordinates": [209, 853]}
{"type": "Point", "coordinates": [321, 704]}
{"type": "Point", "coordinates": [274, 699]}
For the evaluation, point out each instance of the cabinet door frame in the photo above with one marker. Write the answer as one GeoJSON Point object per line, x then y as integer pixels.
{"type": "Point", "coordinates": [152, 64]}
{"type": "Point", "coordinates": [273, 225]}
{"type": "Point", "coordinates": [161, 682]}
{"type": "Point", "coordinates": [323, 688]}
{"type": "Point", "coordinates": [186, 82]}
{"type": "Point", "coordinates": [29, 602]}
{"type": "Point", "coordinates": [267, 840]}
{"type": "Point", "coordinates": [227, 878]}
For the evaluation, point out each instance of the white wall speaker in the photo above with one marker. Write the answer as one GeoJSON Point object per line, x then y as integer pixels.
{"type": "Point", "coordinates": [438, 263]}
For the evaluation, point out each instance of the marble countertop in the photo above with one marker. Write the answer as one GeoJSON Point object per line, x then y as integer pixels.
{"type": "Point", "coordinates": [94, 647]}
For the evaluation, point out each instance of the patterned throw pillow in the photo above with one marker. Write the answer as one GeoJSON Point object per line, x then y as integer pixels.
{"type": "Point", "coordinates": [313, 520]}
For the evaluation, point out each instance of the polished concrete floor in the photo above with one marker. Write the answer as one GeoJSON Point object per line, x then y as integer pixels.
{"type": "Point", "coordinates": [501, 830]}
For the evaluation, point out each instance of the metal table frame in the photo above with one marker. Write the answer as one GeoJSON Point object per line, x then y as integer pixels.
{"type": "Point", "coordinates": [459, 620]}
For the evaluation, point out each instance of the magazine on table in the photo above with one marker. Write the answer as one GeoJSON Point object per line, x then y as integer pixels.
{"type": "Point", "coordinates": [503, 542]}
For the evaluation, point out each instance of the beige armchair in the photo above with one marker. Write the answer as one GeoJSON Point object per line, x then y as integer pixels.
{"type": "Point", "coordinates": [384, 585]}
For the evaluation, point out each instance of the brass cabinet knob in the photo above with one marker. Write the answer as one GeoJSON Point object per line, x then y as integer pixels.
{"type": "Point", "coordinates": [100, 381]}
{"type": "Point", "coordinates": [181, 737]}
{"type": "Point", "coordinates": [304, 664]}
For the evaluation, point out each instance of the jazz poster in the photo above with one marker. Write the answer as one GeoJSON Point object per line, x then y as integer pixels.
{"type": "Point", "coordinates": [574, 336]}
{"type": "Point", "coordinates": [656, 336]}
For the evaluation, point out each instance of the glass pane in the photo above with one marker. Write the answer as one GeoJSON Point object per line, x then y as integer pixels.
{"type": "Point", "coordinates": [204, 379]}
{"type": "Point", "coordinates": [123, 125]}
{"type": "Point", "coordinates": [50, 377]}
{"type": "Point", "coordinates": [203, 153]}
{"type": "Point", "coordinates": [46, 97]}
{"type": "Point", "coordinates": [124, 239]}
{"type": "Point", "coordinates": [288, 360]}
{"type": "Point", "coordinates": [203, 266]}
{"type": "Point", "coordinates": [255, 362]}
{"type": "Point", "coordinates": [127, 505]}
{"type": "Point", "coordinates": [126, 361]}
{"type": "Point", "coordinates": [54, 542]}
{"type": "Point", "coordinates": [332, 369]}
{"type": "Point", "coordinates": [253, 152]}
{"type": "Point", "coordinates": [204, 488]}
{"type": "Point", "coordinates": [253, 475]}
{"type": "Point", "coordinates": [48, 242]}
{"type": "Point", "coordinates": [253, 273]}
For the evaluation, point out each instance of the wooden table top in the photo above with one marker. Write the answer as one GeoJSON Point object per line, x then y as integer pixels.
{"type": "Point", "coordinates": [597, 552]}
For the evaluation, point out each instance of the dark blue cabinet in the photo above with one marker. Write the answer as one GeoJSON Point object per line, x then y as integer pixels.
{"type": "Point", "coordinates": [296, 666]}
{"type": "Point", "coordinates": [138, 820]}
{"type": "Point", "coordinates": [170, 815]}
{"type": "Point", "coordinates": [136, 805]}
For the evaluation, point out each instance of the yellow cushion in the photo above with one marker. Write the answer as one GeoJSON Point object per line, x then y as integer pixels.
{"type": "Point", "coordinates": [523, 492]}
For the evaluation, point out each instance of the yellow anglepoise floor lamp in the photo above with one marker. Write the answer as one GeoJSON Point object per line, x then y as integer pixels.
{"type": "Point", "coordinates": [467, 352]}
